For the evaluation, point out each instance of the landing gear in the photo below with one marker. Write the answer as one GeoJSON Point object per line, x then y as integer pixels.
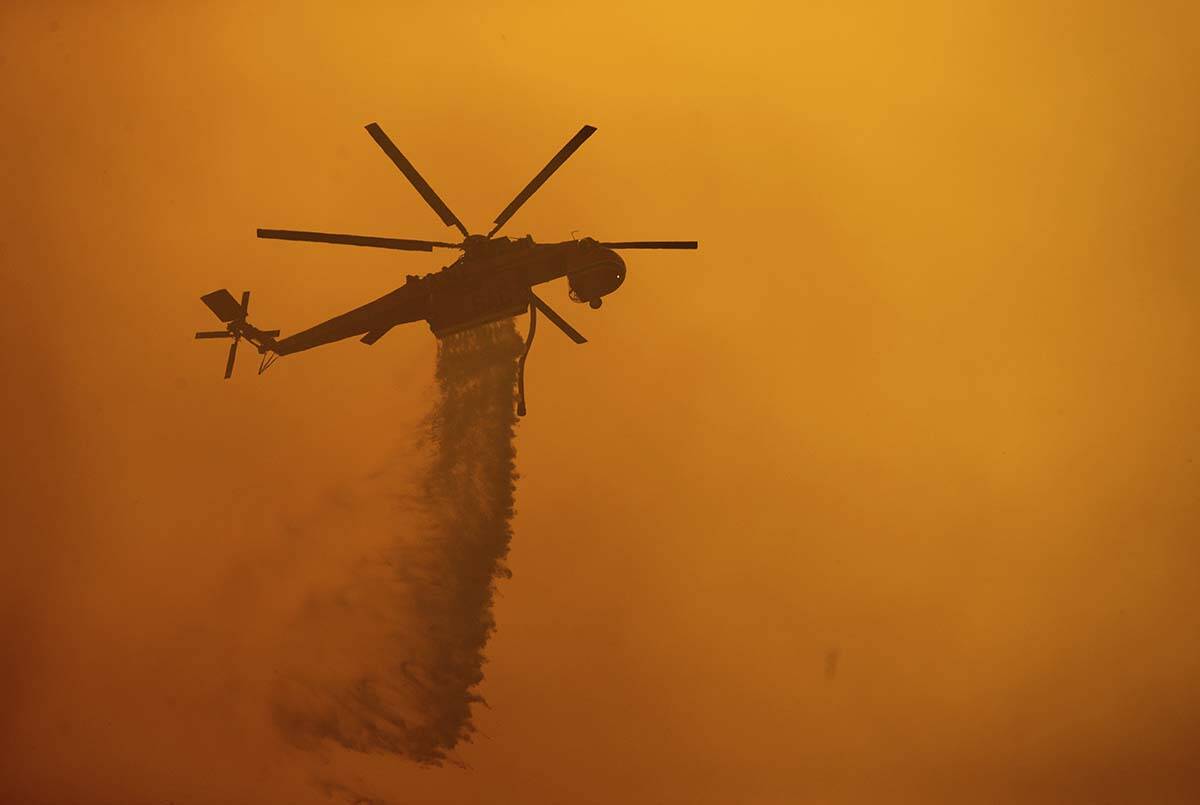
{"type": "Point", "coordinates": [595, 304]}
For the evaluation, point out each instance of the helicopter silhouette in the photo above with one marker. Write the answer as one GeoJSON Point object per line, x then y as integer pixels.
{"type": "Point", "coordinates": [491, 280]}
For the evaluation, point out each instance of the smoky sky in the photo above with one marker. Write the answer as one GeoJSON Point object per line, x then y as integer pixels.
{"type": "Point", "coordinates": [924, 397]}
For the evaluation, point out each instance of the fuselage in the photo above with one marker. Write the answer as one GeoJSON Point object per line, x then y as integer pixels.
{"type": "Point", "coordinates": [489, 282]}
{"type": "Point", "coordinates": [492, 280]}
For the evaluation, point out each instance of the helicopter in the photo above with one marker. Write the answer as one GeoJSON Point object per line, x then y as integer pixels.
{"type": "Point", "coordinates": [491, 280]}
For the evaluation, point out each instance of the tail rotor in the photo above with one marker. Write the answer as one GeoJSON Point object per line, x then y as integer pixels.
{"type": "Point", "coordinates": [227, 309]}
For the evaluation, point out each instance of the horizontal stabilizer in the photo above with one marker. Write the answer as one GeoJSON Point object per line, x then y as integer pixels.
{"type": "Point", "coordinates": [375, 335]}
{"type": "Point", "coordinates": [223, 305]}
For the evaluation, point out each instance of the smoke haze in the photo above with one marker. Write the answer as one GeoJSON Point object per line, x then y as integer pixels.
{"type": "Point", "coordinates": [415, 619]}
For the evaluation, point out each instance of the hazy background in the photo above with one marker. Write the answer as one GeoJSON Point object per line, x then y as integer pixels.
{"type": "Point", "coordinates": [887, 494]}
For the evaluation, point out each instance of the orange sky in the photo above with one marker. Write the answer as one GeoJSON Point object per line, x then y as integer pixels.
{"type": "Point", "coordinates": [924, 397]}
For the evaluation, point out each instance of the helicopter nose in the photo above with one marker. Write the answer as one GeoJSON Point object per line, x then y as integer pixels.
{"type": "Point", "coordinates": [613, 260]}
{"type": "Point", "coordinates": [620, 267]}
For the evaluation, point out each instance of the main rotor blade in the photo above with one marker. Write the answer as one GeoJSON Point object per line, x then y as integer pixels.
{"type": "Point", "coordinates": [563, 154]}
{"type": "Point", "coordinates": [355, 240]}
{"type": "Point", "coordinates": [223, 305]}
{"type": "Point", "coordinates": [558, 320]}
{"type": "Point", "coordinates": [406, 167]}
{"type": "Point", "coordinates": [215, 334]}
{"type": "Point", "coordinates": [232, 355]}
{"type": "Point", "coordinates": [652, 244]}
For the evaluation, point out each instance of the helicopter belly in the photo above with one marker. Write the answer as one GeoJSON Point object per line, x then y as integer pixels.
{"type": "Point", "coordinates": [468, 305]}
{"type": "Point", "coordinates": [444, 329]}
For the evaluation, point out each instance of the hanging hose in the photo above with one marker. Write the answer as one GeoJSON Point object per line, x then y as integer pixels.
{"type": "Point", "coordinates": [521, 362]}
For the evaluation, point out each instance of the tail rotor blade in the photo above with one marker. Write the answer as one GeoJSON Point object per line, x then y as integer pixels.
{"type": "Point", "coordinates": [215, 334]}
{"type": "Point", "coordinates": [422, 186]}
{"type": "Point", "coordinates": [563, 154]}
{"type": "Point", "coordinates": [232, 355]}
{"type": "Point", "coordinates": [245, 304]}
{"type": "Point", "coordinates": [558, 320]}
{"type": "Point", "coordinates": [652, 244]}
